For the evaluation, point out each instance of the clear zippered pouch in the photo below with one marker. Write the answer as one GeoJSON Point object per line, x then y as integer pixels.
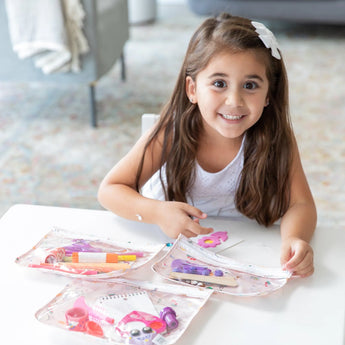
{"type": "Point", "coordinates": [125, 311]}
{"type": "Point", "coordinates": [189, 264]}
{"type": "Point", "coordinates": [79, 255]}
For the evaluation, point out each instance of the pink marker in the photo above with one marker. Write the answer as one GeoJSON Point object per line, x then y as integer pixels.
{"type": "Point", "coordinates": [65, 270]}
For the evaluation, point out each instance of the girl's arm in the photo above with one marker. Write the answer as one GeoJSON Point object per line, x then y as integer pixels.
{"type": "Point", "coordinates": [118, 194]}
{"type": "Point", "coordinates": [298, 223]}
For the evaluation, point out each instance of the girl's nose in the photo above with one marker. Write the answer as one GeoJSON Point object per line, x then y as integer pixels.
{"type": "Point", "coordinates": [234, 98]}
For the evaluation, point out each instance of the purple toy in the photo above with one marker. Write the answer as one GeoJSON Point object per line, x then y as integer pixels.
{"type": "Point", "coordinates": [169, 316]}
{"type": "Point", "coordinates": [80, 245]}
{"type": "Point", "coordinates": [218, 273]}
{"type": "Point", "coordinates": [182, 266]}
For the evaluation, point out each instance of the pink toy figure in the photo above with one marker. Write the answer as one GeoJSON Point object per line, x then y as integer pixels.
{"type": "Point", "coordinates": [213, 240]}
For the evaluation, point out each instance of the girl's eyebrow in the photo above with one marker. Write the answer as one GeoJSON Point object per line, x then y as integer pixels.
{"type": "Point", "coordinates": [224, 75]}
{"type": "Point", "coordinates": [254, 76]}
{"type": "Point", "coordinates": [217, 74]}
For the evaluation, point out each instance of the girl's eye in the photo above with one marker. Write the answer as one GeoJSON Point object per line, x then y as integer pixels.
{"type": "Point", "coordinates": [219, 83]}
{"type": "Point", "coordinates": [250, 85]}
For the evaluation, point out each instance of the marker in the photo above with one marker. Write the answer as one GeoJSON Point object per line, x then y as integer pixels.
{"type": "Point", "coordinates": [61, 269]}
{"type": "Point", "coordinates": [90, 257]}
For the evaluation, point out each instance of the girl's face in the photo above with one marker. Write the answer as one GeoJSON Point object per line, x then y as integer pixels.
{"type": "Point", "coordinates": [231, 93]}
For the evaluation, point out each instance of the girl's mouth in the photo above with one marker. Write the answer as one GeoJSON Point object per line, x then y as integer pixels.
{"type": "Point", "coordinates": [231, 117]}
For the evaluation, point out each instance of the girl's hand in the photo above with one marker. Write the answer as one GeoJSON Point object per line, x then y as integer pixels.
{"type": "Point", "coordinates": [178, 217]}
{"type": "Point", "coordinates": [297, 257]}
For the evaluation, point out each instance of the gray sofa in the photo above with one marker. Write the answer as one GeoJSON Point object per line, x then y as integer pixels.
{"type": "Point", "coordinates": [303, 11]}
{"type": "Point", "coordinates": [106, 29]}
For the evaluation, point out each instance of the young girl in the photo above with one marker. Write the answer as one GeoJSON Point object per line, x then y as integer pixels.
{"type": "Point", "coordinates": [223, 145]}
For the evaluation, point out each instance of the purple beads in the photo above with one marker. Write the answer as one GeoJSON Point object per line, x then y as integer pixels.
{"type": "Point", "coordinates": [218, 273]}
{"type": "Point", "coordinates": [179, 265]}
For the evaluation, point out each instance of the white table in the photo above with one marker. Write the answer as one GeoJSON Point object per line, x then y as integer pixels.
{"type": "Point", "coordinates": [305, 311]}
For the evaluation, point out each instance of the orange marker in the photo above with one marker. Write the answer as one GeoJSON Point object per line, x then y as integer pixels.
{"type": "Point", "coordinates": [100, 257]}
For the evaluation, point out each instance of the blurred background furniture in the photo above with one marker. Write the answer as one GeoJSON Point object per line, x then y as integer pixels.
{"type": "Point", "coordinates": [106, 28]}
{"type": "Point", "coordinates": [148, 121]}
{"type": "Point", "coordinates": [142, 11]}
{"type": "Point", "coordinates": [303, 11]}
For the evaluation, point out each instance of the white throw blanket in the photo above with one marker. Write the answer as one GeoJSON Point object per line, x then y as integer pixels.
{"type": "Point", "coordinates": [50, 30]}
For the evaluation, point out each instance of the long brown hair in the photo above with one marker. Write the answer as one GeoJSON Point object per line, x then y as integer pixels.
{"type": "Point", "coordinates": [263, 191]}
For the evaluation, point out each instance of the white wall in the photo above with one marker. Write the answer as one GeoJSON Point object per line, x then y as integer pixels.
{"type": "Point", "coordinates": [171, 1]}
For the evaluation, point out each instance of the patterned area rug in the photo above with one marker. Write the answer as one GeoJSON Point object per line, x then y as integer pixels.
{"type": "Point", "coordinates": [50, 155]}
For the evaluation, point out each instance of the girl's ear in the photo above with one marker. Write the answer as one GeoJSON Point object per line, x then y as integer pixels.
{"type": "Point", "coordinates": [190, 89]}
{"type": "Point", "coordinates": [267, 102]}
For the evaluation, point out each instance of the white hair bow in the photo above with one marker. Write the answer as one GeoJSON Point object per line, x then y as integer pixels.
{"type": "Point", "coordinates": [267, 38]}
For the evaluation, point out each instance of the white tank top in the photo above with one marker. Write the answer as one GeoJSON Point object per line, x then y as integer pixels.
{"type": "Point", "coordinates": [212, 193]}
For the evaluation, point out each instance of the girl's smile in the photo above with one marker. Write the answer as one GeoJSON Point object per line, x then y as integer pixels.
{"type": "Point", "coordinates": [231, 92]}
{"type": "Point", "coordinates": [232, 117]}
